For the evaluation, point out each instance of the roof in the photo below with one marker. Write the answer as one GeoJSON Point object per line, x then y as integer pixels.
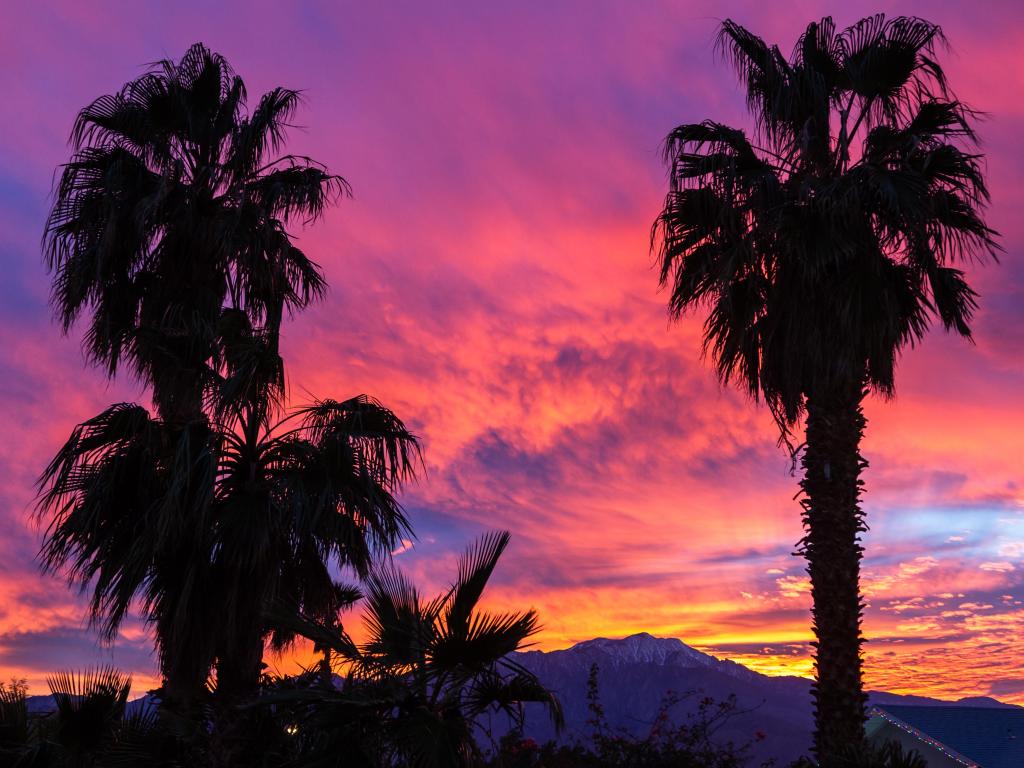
{"type": "Point", "coordinates": [990, 737]}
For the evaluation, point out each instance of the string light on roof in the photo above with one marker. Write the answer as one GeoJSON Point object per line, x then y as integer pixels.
{"type": "Point", "coordinates": [921, 736]}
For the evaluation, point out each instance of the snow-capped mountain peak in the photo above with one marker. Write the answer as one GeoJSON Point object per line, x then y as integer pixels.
{"type": "Point", "coordinates": [641, 648]}
{"type": "Point", "coordinates": [646, 648]}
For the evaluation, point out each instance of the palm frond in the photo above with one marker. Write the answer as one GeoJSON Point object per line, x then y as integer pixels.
{"type": "Point", "coordinates": [508, 692]}
{"type": "Point", "coordinates": [386, 448]}
{"type": "Point", "coordinates": [398, 631]}
{"type": "Point", "coordinates": [301, 186]}
{"type": "Point", "coordinates": [104, 689]}
{"type": "Point", "coordinates": [889, 64]}
{"type": "Point", "coordinates": [333, 637]}
{"type": "Point", "coordinates": [810, 265]}
{"type": "Point", "coordinates": [475, 568]}
{"type": "Point", "coordinates": [263, 131]}
{"type": "Point", "coordinates": [820, 50]}
{"type": "Point", "coordinates": [486, 640]}
{"type": "Point", "coordinates": [90, 707]}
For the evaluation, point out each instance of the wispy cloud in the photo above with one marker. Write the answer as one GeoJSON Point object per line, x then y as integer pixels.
{"type": "Point", "coordinates": [491, 282]}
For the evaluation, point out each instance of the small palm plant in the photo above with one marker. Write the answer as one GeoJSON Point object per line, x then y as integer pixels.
{"type": "Point", "coordinates": [431, 668]}
{"type": "Point", "coordinates": [14, 720]}
{"type": "Point", "coordinates": [90, 709]}
{"type": "Point", "coordinates": [85, 723]}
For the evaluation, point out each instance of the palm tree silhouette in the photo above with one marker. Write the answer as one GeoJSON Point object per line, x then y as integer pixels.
{"type": "Point", "coordinates": [286, 501]}
{"type": "Point", "coordinates": [175, 205]}
{"type": "Point", "coordinates": [821, 249]}
{"type": "Point", "coordinates": [169, 228]}
{"type": "Point", "coordinates": [316, 489]}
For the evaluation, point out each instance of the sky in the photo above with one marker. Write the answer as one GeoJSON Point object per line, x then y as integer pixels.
{"type": "Point", "coordinates": [491, 281]}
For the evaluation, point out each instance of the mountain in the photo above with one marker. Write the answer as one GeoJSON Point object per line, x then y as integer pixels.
{"type": "Point", "coordinates": [641, 648]}
{"type": "Point", "coordinates": [635, 673]}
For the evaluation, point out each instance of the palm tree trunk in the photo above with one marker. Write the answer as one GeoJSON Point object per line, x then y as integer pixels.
{"type": "Point", "coordinates": [239, 667]}
{"type": "Point", "coordinates": [178, 395]}
{"type": "Point", "coordinates": [833, 522]}
{"type": "Point", "coordinates": [183, 686]}
{"type": "Point", "coordinates": [233, 739]}
{"type": "Point", "coordinates": [185, 661]}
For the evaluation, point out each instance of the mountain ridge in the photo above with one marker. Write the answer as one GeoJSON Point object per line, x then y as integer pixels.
{"type": "Point", "coordinates": [648, 648]}
{"type": "Point", "coordinates": [774, 713]}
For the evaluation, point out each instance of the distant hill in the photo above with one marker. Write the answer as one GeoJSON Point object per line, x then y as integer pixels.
{"type": "Point", "coordinates": [635, 673]}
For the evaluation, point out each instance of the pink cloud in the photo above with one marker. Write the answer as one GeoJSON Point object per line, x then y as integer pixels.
{"type": "Point", "coordinates": [491, 282]}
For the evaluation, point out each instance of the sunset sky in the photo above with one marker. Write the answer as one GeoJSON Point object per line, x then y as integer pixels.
{"type": "Point", "coordinates": [491, 282]}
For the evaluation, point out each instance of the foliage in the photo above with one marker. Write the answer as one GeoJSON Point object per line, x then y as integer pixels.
{"type": "Point", "coordinates": [285, 501]}
{"type": "Point", "coordinates": [821, 247]}
{"type": "Point", "coordinates": [373, 722]}
{"type": "Point", "coordinates": [170, 228]}
{"type": "Point", "coordinates": [820, 257]}
{"type": "Point", "coordinates": [89, 725]}
{"type": "Point", "coordinates": [827, 247]}
{"type": "Point", "coordinates": [414, 692]}
{"type": "Point", "coordinates": [174, 210]}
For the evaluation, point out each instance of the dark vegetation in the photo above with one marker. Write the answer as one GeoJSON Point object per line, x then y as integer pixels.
{"type": "Point", "coordinates": [820, 248]}
{"type": "Point", "coordinates": [666, 744]}
{"type": "Point", "coordinates": [225, 515]}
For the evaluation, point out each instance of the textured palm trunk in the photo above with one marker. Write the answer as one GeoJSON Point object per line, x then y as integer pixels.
{"type": "Point", "coordinates": [179, 400]}
{"type": "Point", "coordinates": [184, 672]}
{"type": "Point", "coordinates": [244, 582]}
{"type": "Point", "coordinates": [183, 683]}
{"type": "Point", "coordinates": [833, 522]}
{"type": "Point", "coordinates": [239, 666]}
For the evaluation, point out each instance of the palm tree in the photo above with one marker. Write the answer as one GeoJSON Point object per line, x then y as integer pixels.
{"type": "Point", "coordinates": [427, 673]}
{"type": "Point", "coordinates": [821, 249]}
{"type": "Point", "coordinates": [175, 205]}
{"type": "Point", "coordinates": [170, 227]}
{"type": "Point", "coordinates": [285, 502]}
{"type": "Point", "coordinates": [292, 499]}
{"type": "Point", "coordinates": [128, 502]}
